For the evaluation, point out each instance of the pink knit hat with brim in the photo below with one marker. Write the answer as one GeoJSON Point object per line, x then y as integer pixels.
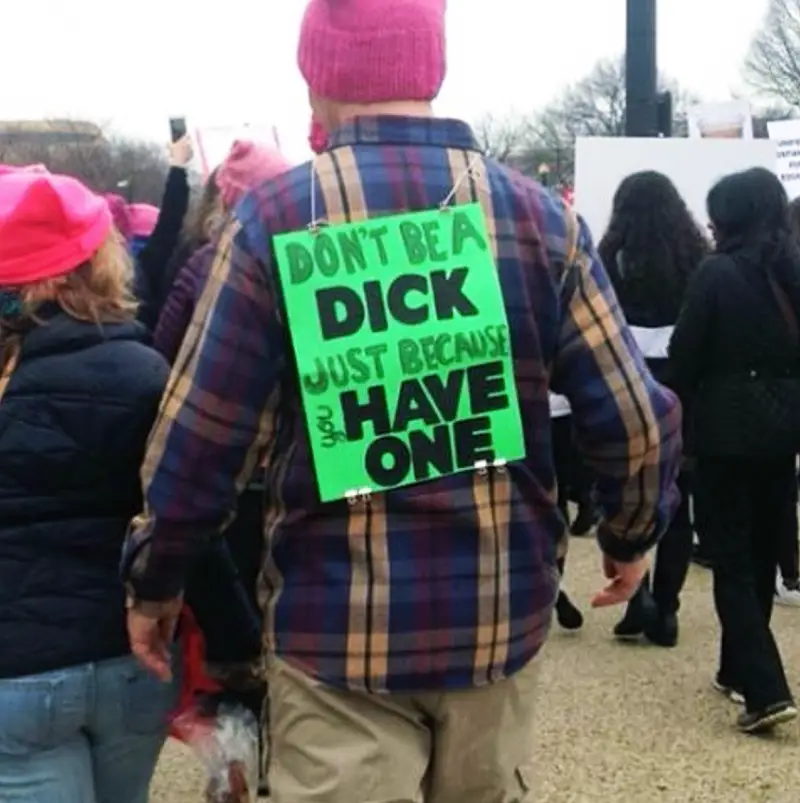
{"type": "Point", "coordinates": [50, 225]}
{"type": "Point", "coordinates": [373, 51]}
{"type": "Point", "coordinates": [248, 164]}
{"type": "Point", "coordinates": [142, 219]}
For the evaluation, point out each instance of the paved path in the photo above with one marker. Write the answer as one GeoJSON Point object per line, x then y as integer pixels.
{"type": "Point", "coordinates": [629, 723]}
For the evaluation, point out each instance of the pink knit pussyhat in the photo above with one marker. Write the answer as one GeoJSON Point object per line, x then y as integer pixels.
{"type": "Point", "coordinates": [247, 165]}
{"type": "Point", "coordinates": [142, 219]}
{"type": "Point", "coordinates": [373, 51]}
{"type": "Point", "coordinates": [119, 212]}
{"type": "Point", "coordinates": [317, 136]}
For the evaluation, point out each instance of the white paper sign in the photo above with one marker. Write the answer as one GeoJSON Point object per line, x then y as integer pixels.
{"type": "Point", "coordinates": [213, 143]}
{"type": "Point", "coordinates": [732, 119]}
{"type": "Point", "coordinates": [786, 134]}
{"type": "Point", "coordinates": [694, 165]}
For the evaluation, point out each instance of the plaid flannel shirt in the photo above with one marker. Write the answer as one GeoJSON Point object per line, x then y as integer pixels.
{"type": "Point", "coordinates": [444, 585]}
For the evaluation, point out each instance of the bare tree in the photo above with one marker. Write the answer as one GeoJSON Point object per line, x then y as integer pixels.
{"type": "Point", "coordinates": [595, 106]}
{"type": "Point", "coordinates": [765, 115]}
{"type": "Point", "coordinates": [773, 63]}
{"type": "Point", "coordinates": [502, 138]}
{"type": "Point", "coordinates": [130, 167]}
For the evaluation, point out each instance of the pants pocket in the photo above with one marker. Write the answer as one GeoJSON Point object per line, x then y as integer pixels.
{"type": "Point", "coordinates": [26, 714]}
{"type": "Point", "coordinates": [148, 702]}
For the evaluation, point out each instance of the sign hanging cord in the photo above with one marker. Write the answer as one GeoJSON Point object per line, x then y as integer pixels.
{"type": "Point", "coordinates": [468, 172]}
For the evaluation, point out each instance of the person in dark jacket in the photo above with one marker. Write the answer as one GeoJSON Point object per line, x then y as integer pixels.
{"type": "Point", "coordinates": [152, 257]}
{"type": "Point", "coordinates": [651, 248]}
{"type": "Point", "coordinates": [203, 223]}
{"type": "Point", "coordinates": [80, 720]}
{"type": "Point", "coordinates": [787, 584]}
{"type": "Point", "coordinates": [564, 458]}
{"type": "Point", "coordinates": [247, 165]}
{"type": "Point", "coordinates": [221, 588]}
{"type": "Point", "coordinates": [735, 361]}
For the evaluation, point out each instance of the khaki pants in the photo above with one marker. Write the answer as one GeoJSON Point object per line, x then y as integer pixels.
{"type": "Point", "coordinates": [334, 746]}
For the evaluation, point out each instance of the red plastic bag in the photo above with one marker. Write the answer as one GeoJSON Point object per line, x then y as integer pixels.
{"type": "Point", "coordinates": [195, 680]}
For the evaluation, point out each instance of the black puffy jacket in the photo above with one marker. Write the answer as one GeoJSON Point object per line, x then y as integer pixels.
{"type": "Point", "coordinates": [73, 425]}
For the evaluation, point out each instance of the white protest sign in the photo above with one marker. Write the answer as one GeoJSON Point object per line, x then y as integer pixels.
{"type": "Point", "coordinates": [213, 142]}
{"type": "Point", "coordinates": [694, 165]}
{"type": "Point", "coordinates": [786, 135]}
{"type": "Point", "coordinates": [732, 119]}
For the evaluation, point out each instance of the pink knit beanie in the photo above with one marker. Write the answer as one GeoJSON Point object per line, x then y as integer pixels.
{"type": "Point", "coordinates": [247, 165]}
{"type": "Point", "coordinates": [143, 219]}
{"type": "Point", "coordinates": [373, 51]}
{"type": "Point", "coordinates": [49, 226]}
{"type": "Point", "coordinates": [120, 214]}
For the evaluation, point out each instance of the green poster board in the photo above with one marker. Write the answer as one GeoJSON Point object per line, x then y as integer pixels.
{"type": "Point", "coordinates": [402, 348]}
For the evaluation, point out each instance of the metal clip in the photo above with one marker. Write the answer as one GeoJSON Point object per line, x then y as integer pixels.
{"type": "Point", "coordinates": [500, 465]}
{"type": "Point", "coordinates": [365, 494]}
{"type": "Point", "coordinates": [351, 497]}
{"type": "Point", "coordinates": [482, 467]}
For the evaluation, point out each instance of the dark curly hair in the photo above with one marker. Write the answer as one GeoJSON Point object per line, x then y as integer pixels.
{"type": "Point", "coordinates": [753, 220]}
{"type": "Point", "coordinates": [651, 247]}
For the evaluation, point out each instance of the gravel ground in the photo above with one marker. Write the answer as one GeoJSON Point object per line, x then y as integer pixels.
{"type": "Point", "coordinates": [625, 722]}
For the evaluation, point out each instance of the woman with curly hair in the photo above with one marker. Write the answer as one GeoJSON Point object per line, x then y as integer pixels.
{"type": "Point", "coordinates": [651, 248]}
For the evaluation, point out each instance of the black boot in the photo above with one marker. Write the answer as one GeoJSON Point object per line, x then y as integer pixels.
{"type": "Point", "coordinates": [662, 630]}
{"type": "Point", "coordinates": [586, 520]}
{"type": "Point", "coordinates": [569, 617]}
{"type": "Point", "coordinates": [639, 615]}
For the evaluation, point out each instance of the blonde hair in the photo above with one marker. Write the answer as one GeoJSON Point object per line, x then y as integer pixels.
{"type": "Point", "coordinates": [99, 291]}
{"type": "Point", "coordinates": [207, 217]}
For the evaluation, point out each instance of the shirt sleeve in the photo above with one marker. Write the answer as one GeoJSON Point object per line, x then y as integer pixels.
{"type": "Point", "coordinates": [154, 257]}
{"type": "Point", "coordinates": [211, 427]}
{"type": "Point", "coordinates": [178, 308]}
{"type": "Point", "coordinates": [627, 426]}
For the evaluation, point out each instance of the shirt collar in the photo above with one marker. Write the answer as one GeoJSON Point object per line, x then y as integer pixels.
{"type": "Point", "coordinates": [391, 130]}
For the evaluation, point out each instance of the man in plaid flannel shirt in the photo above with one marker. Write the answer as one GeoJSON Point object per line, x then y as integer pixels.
{"type": "Point", "coordinates": [401, 630]}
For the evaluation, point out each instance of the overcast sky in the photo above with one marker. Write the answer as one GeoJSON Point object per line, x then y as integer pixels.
{"type": "Point", "coordinates": [136, 63]}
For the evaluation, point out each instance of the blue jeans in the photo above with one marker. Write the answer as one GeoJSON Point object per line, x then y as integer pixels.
{"type": "Point", "coordinates": [88, 734]}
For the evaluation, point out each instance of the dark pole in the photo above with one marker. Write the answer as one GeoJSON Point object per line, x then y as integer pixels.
{"type": "Point", "coordinates": [641, 72]}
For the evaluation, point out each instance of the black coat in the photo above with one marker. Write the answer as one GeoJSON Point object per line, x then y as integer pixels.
{"type": "Point", "coordinates": [734, 360]}
{"type": "Point", "coordinates": [73, 425]}
{"type": "Point", "coordinates": [152, 276]}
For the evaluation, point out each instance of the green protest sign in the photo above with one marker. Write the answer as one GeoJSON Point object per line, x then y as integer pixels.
{"type": "Point", "coordinates": [402, 348]}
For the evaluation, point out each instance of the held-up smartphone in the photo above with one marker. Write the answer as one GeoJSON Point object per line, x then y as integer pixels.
{"type": "Point", "coordinates": [177, 128]}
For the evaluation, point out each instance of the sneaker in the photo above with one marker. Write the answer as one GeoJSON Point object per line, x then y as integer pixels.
{"type": "Point", "coordinates": [767, 719]}
{"type": "Point", "coordinates": [568, 616]}
{"type": "Point", "coordinates": [639, 615]}
{"type": "Point", "coordinates": [662, 630]}
{"type": "Point", "coordinates": [787, 594]}
{"type": "Point", "coordinates": [587, 519]}
{"type": "Point", "coordinates": [731, 694]}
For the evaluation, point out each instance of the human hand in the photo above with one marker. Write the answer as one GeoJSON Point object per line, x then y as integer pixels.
{"type": "Point", "coordinates": [151, 629]}
{"type": "Point", "coordinates": [181, 152]}
{"type": "Point", "coordinates": [625, 581]}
